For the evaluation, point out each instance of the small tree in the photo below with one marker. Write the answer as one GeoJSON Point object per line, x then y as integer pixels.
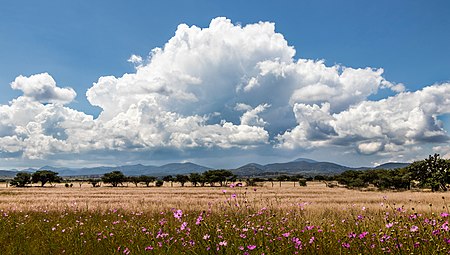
{"type": "Point", "coordinates": [302, 182]}
{"type": "Point", "coordinates": [114, 178]}
{"type": "Point", "coordinates": [21, 179]}
{"type": "Point", "coordinates": [219, 176]}
{"type": "Point", "coordinates": [433, 172]}
{"type": "Point", "coordinates": [159, 183]}
{"type": "Point", "coordinates": [44, 176]}
{"type": "Point", "coordinates": [169, 178]}
{"type": "Point", "coordinates": [94, 182]}
{"type": "Point", "coordinates": [270, 180]}
{"type": "Point", "coordinates": [147, 179]}
{"type": "Point", "coordinates": [182, 179]}
{"type": "Point", "coordinates": [134, 179]}
{"type": "Point", "coordinates": [195, 178]}
{"type": "Point", "coordinates": [282, 178]}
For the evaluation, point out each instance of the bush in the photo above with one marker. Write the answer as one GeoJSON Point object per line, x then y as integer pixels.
{"type": "Point", "coordinates": [159, 183]}
{"type": "Point", "coordinates": [302, 182]}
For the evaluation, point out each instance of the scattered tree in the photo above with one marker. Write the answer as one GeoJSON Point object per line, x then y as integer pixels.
{"type": "Point", "coordinates": [159, 183]}
{"type": "Point", "coordinates": [114, 178]}
{"type": "Point", "coordinates": [44, 176]}
{"type": "Point", "coordinates": [147, 179]}
{"type": "Point", "coordinates": [182, 179]}
{"type": "Point", "coordinates": [169, 178]}
{"type": "Point", "coordinates": [21, 179]}
{"type": "Point", "coordinates": [94, 182]}
{"type": "Point", "coordinates": [195, 178]}
{"type": "Point", "coordinates": [134, 179]}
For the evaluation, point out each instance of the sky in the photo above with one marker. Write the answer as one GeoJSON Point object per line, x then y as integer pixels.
{"type": "Point", "coordinates": [223, 83]}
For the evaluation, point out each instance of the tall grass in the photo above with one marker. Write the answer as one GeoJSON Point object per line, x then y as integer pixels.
{"type": "Point", "coordinates": [228, 221]}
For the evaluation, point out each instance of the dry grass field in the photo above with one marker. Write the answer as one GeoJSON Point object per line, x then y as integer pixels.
{"type": "Point", "coordinates": [221, 220]}
{"type": "Point", "coordinates": [316, 196]}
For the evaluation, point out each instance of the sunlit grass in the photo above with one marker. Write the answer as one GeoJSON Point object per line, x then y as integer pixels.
{"type": "Point", "coordinates": [231, 220]}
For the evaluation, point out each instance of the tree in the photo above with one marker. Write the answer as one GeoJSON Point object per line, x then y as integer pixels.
{"type": "Point", "coordinates": [134, 179]}
{"type": "Point", "coordinates": [182, 179]}
{"type": "Point", "coordinates": [159, 183]}
{"type": "Point", "coordinates": [93, 182]}
{"type": "Point", "coordinates": [44, 176]}
{"type": "Point", "coordinates": [220, 176]}
{"type": "Point", "coordinates": [282, 178]}
{"type": "Point", "coordinates": [169, 178]}
{"type": "Point", "coordinates": [114, 178]}
{"type": "Point", "coordinates": [147, 179]}
{"type": "Point", "coordinates": [270, 180]}
{"type": "Point", "coordinates": [195, 178]}
{"type": "Point", "coordinates": [433, 172]}
{"type": "Point", "coordinates": [21, 179]}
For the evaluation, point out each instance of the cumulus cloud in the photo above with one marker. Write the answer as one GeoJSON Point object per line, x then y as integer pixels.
{"type": "Point", "coordinates": [374, 126]}
{"type": "Point", "coordinates": [225, 86]}
{"type": "Point", "coordinates": [42, 88]}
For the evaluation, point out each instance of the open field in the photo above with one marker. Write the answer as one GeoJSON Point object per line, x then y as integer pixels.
{"type": "Point", "coordinates": [150, 199]}
{"type": "Point", "coordinates": [221, 220]}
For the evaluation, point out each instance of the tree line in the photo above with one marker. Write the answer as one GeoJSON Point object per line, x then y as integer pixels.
{"type": "Point", "coordinates": [433, 173]}
{"type": "Point", "coordinates": [116, 178]}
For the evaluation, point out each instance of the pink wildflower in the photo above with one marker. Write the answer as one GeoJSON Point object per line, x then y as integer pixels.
{"type": "Point", "coordinates": [178, 214]}
{"type": "Point", "coordinates": [251, 247]}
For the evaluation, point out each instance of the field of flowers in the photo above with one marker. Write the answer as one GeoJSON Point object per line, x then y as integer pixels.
{"type": "Point", "coordinates": [239, 220]}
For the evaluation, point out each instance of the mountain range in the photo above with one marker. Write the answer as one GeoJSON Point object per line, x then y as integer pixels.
{"type": "Point", "coordinates": [303, 166]}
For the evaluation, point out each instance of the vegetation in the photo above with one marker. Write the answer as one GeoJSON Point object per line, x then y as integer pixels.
{"type": "Point", "coordinates": [21, 179]}
{"type": "Point", "coordinates": [433, 173]}
{"type": "Point", "coordinates": [147, 179]}
{"type": "Point", "coordinates": [114, 178]}
{"type": "Point", "coordinates": [227, 220]}
{"type": "Point", "coordinates": [44, 176]}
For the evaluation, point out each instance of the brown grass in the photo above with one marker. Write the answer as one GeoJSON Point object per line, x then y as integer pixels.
{"type": "Point", "coordinates": [315, 197]}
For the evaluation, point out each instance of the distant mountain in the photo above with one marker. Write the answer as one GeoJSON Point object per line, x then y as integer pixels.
{"type": "Point", "coordinates": [131, 170]}
{"type": "Point", "coordinates": [251, 169]}
{"type": "Point", "coordinates": [182, 168]}
{"type": "Point", "coordinates": [7, 173]}
{"type": "Point", "coordinates": [392, 165]}
{"type": "Point", "coordinates": [304, 166]}
{"type": "Point", "coordinates": [305, 160]}
{"type": "Point", "coordinates": [298, 166]}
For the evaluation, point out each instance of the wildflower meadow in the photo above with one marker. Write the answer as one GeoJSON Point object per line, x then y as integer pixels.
{"type": "Point", "coordinates": [234, 220]}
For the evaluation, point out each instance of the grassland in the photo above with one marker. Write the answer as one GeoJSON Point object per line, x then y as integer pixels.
{"type": "Point", "coordinates": [221, 220]}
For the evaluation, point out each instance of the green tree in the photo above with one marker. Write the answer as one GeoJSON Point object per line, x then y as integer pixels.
{"type": "Point", "coordinates": [159, 183]}
{"type": "Point", "coordinates": [433, 172]}
{"type": "Point", "coordinates": [114, 178]}
{"type": "Point", "coordinates": [21, 179]}
{"type": "Point", "coordinates": [169, 178]}
{"type": "Point", "coordinates": [219, 176]}
{"type": "Point", "coordinates": [134, 179]}
{"type": "Point", "coordinates": [182, 179]}
{"type": "Point", "coordinates": [147, 179]}
{"type": "Point", "coordinates": [195, 178]}
{"type": "Point", "coordinates": [44, 176]}
{"type": "Point", "coordinates": [94, 182]}
{"type": "Point", "coordinates": [282, 178]}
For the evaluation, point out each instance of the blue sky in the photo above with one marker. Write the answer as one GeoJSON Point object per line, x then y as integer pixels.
{"type": "Point", "coordinates": [78, 43]}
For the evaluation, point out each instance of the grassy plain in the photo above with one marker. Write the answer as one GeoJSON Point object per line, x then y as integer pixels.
{"type": "Point", "coordinates": [221, 220]}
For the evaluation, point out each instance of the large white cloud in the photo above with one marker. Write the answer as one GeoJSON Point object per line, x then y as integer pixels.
{"type": "Point", "coordinates": [42, 88]}
{"type": "Point", "coordinates": [226, 86]}
{"type": "Point", "coordinates": [374, 126]}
